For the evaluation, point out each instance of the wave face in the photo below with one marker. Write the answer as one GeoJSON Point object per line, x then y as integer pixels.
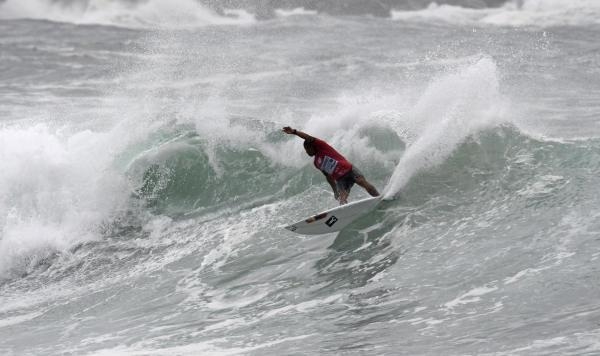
{"type": "Point", "coordinates": [145, 180]}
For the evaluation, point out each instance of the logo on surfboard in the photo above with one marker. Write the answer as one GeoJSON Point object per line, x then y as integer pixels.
{"type": "Point", "coordinates": [332, 220]}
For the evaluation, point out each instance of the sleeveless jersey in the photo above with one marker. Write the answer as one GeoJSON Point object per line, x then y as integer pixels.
{"type": "Point", "coordinates": [329, 161]}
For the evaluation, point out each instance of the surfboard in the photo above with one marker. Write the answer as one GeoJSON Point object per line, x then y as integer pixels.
{"type": "Point", "coordinates": [334, 219]}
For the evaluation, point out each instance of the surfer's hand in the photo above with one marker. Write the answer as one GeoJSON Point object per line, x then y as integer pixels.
{"type": "Point", "coordinates": [288, 130]}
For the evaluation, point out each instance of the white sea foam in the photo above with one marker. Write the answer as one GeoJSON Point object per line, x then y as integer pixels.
{"type": "Point", "coordinates": [299, 11]}
{"type": "Point", "coordinates": [445, 13]}
{"type": "Point", "coordinates": [536, 13]}
{"type": "Point", "coordinates": [13, 320]}
{"type": "Point", "coordinates": [471, 296]}
{"type": "Point", "coordinates": [152, 13]}
{"type": "Point", "coordinates": [54, 191]}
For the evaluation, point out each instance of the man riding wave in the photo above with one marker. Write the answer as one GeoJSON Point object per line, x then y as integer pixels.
{"type": "Point", "coordinates": [340, 173]}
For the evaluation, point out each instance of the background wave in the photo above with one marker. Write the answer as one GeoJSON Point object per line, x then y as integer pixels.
{"type": "Point", "coordinates": [134, 14]}
{"type": "Point", "coordinates": [192, 13]}
{"type": "Point", "coordinates": [532, 13]}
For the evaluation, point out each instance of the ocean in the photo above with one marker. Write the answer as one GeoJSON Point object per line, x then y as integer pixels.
{"type": "Point", "coordinates": [145, 180]}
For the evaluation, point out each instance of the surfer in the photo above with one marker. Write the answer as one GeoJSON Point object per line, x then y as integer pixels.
{"type": "Point", "coordinates": [340, 173]}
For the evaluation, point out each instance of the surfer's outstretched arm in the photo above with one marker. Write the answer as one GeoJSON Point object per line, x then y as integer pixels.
{"type": "Point", "coordinates": [302, 135]}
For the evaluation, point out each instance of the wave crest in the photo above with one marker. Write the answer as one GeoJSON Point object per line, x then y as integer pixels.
{"type": "Point", "coordinates": [147, 14]}
{"type": "Point", "coordinates": [535, 13]}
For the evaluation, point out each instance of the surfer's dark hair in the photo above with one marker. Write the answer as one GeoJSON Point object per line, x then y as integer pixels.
{"type": "Point", "coordinates": [307, 143]}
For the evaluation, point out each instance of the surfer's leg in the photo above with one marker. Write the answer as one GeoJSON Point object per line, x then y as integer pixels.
{"type": "Point", "coordinates": [360, 180]}
{"type": "Point", "coordinates": [343, 187]}
{"type": "Point", "coordinates": [343, 196]}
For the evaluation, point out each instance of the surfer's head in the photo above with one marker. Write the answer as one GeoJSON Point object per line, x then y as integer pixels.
{"type": "Point", "coordinates": [309, 148]}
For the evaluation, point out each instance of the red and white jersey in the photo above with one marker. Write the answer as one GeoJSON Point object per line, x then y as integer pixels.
{"type": "Point", "coordinates": [329, 161]}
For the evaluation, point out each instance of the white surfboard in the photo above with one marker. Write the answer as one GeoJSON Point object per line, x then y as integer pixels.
{"type": "Point", "coordinates": [334, 219]}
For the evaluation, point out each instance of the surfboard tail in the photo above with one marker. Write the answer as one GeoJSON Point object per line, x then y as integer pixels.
{"type": "Point", "coordinates": [334, 219]}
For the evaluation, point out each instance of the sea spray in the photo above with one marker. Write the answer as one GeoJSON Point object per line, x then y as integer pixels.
{"type": "Point", "coordinates": [454, 107]}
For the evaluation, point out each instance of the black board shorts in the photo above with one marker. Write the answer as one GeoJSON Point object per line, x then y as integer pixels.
{"type": "Point", "coordinates": [346, 181]}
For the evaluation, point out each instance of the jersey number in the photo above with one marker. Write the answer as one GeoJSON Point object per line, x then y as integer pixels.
{"type": "Point", "coordinates": [328, 165]}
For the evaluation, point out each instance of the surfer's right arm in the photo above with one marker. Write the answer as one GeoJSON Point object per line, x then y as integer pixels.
{"type": "Point", "coordinates": [303, 135]}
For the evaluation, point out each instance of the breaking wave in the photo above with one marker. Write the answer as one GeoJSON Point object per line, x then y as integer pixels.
{"type": "Point", "coordinates": [535, 13]}
{"type": "Point", "coordinates": [147, 14]}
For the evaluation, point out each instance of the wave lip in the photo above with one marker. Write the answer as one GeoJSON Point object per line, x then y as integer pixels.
{"type": "Point", "coordinates": [148, 14]}
{"type": "Point", "coordinates": [534, 13]}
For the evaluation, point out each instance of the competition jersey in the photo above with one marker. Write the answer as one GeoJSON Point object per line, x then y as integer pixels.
{"type": "Point", "coordinates": [329, 161]}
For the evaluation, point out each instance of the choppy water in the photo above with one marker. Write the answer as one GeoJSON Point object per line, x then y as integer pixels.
{"type": "Point", "coordinates": [144, 180]}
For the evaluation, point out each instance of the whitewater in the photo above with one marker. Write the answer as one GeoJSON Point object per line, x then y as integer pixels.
{"type": "Point", "coordinates": [145, 180]}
